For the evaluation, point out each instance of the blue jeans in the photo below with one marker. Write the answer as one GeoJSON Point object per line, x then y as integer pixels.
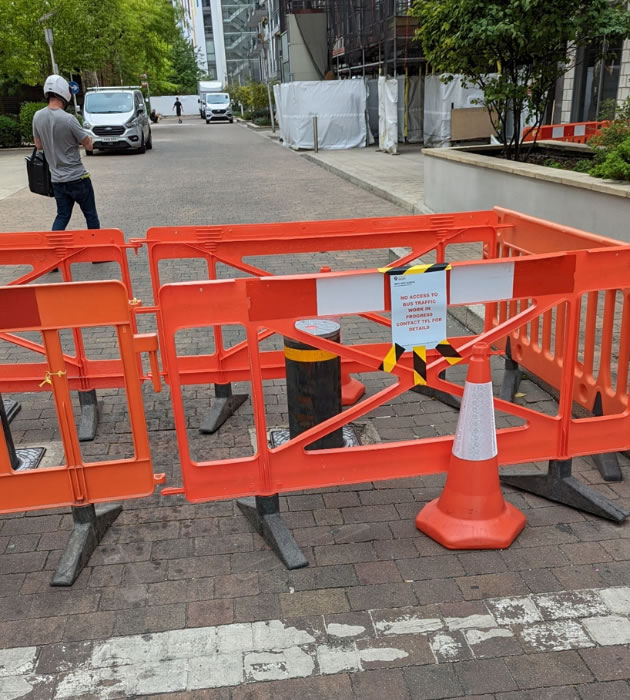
{"type": "Point", "coordinates": [66, 194]}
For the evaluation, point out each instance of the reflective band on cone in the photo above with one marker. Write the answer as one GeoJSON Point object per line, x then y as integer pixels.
{"type": "Point", "coordinates": [471, 512]}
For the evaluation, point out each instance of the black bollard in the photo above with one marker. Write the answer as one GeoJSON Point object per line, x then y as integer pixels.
{"type": "Point", "coordinates": [313, 383]}
{"type": "Point", "coordinates": [24, 458]}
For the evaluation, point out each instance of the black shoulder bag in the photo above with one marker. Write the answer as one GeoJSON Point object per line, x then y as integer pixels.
{"type": "Point", "coordinates": [39, 174]}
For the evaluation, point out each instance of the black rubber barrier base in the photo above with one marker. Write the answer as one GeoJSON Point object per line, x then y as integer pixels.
{"type": "Point", "coordinates": [89, 415]}
{"type": "Point", "coordinates": [560, 486]}
{"type": "Point", "coordinates": [87, 531]}
{"type": "Point", "coordinates": [223, 406]}
{"type": "Point", "coordinates": [11, 408]}
{"type": "Point", "coordinates": [263, 512]}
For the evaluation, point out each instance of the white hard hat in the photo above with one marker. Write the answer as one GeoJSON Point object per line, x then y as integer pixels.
{"type": "Point", "coordinates": [58, 85]}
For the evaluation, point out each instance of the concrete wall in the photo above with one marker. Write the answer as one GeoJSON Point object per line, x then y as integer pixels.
{"type": "Point", "coordinates": [462, 185]}
{"type": "Point", "coordinates": [164, 104]}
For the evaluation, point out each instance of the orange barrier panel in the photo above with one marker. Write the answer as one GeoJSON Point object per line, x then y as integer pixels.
{"type": "Point", "coordinates": [602, 366]}
{"type": "Point", "coordinates": [49, 309]}
{"type": "Point", "coordinates": [43, 252]}
{"type": "Point", "coordinates": [554, 281]}
{"type": "Point", "coordinates": [574, 132]}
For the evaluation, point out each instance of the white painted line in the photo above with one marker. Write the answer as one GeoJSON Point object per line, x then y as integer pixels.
{"type": "Point", "coordinates": [473, 284]}
{"type": "Point", "coordinates": [350, 294]}
{"type": "Point", "coordinates": [229, 655]}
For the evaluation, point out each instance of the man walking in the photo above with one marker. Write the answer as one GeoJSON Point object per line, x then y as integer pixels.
{"type": "Point", "coordinates": [59, 135]}
{"type": "Point", "coordinates": [178, 109]}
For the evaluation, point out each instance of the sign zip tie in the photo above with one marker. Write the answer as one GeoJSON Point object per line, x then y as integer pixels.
{"type": "Point", "coordinates": [48, 377]}
{"type": "Point", "coordinates": [135, 302]}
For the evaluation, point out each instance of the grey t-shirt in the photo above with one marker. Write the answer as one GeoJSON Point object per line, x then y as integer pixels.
{"type": "Point", "coordinates": [60, 134]}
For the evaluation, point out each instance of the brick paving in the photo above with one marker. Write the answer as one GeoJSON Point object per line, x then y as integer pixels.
{"type": "Point", "coordinates": [168, 565]}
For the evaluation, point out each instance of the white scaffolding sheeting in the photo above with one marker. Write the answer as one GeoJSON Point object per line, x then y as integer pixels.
{"type": "Point", "coordinates": [339, 106]}
{"type": "Point", "coordinates": [439, 99]}
{"type": "Point", "coordinates": [388, 114]}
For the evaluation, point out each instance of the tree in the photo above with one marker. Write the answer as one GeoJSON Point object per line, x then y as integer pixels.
{"type": "Point", "coordinates": [116, 39]}
{"type": "Point", "coordinates": [185, 69]}
{"type": "Point", "coordinates": [514, 50]}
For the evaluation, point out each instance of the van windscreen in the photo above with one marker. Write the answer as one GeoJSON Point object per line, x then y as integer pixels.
{"type": "Point", "coordinates": [108, 102]}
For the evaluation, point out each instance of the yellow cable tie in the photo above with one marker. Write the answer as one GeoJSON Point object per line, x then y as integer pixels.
{"type": "Point", "coordinates": [135, 302]}
{"type": "Point", "coordinates": [48, 377]}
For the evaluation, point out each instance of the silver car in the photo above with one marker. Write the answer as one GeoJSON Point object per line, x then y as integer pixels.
{"type": "Point", "coordinates": [117, 119]}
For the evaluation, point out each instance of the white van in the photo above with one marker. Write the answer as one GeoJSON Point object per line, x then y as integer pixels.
{"type": "Point", "coordinates": [116, 118]}
{"type": "Point", "coordinates": [218, 107]}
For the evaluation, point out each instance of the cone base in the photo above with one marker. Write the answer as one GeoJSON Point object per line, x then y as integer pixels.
{"type": "Point", "coordinates": [351, 390]}
{"type": "Point", "coordinates": [455, 533]}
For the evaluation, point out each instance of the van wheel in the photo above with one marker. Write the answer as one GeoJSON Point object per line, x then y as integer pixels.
{"type": "Point", "coordinates": [143, 148]}
{"type": "Point", "coordinates": [150, 141]}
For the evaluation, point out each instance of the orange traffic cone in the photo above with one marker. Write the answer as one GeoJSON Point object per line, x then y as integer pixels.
{"type": "Point", "coordinates": [471, 512]}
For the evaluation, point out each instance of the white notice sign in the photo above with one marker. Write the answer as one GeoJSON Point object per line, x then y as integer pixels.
{"type": "Point", "coordinates": [418, 309]}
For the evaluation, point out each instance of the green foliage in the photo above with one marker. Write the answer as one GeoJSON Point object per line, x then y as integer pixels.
{"type": "Point", "coordinates": [551, 163]}
{"type": "Point", "coordinates": [583, 166]}
{"type": "Point", "coordinates": [253, 97]}
{"type": "Point", "coordinates": [615, 164]}
{"type": "Point", "coordinates": [9, 132]}
{"type": "Point", "coordinates": [27, 111]}
{"type": "Point", "coordinates": [185, 71]}
{"type": "Point", "coordinates": [116, 39]}
{"type": "Point", "coordinates": [514, 50]}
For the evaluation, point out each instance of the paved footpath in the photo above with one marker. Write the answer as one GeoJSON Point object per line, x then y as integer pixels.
{"type": "Point", "coordinates": [186, 601]}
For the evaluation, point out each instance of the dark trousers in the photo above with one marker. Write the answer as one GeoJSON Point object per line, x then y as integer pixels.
{"type": "Point", "coordinates": [66, 194]}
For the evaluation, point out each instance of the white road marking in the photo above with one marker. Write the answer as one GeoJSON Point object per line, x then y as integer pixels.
{"type": "Point", "coordinates": [229, 655]}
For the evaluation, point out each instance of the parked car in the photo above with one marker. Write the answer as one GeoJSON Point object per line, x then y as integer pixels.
{"type": "Point", "coordinates": [218, 107]}
{"type": "Point", "coordinates": [116, 118]}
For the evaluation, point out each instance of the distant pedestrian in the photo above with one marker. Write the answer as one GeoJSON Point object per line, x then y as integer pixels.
{"type": "Point", "coordinates": [59, 135]}
{"type": "Point", "coordinates": [178, 109]}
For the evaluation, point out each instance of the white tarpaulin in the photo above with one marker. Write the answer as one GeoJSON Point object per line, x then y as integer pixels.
{"type": "Point", "coordinates": [439, 99]}
{"type": "Point", "coordinates": [339, 106]}
{"type": "Point", "coordinates": [388, 114]}
{"type": "Point", "coordinates": [410, 109]}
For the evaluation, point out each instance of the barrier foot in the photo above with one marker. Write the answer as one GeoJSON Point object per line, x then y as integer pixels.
{"type": "Point", "coordinates": [560, 486]}
{"type": "Point", "coordinates": [439, 395]}
{"type": "Point", "coordinates": [89, 415]}
{"type": "Point", "coordinates": [263, 512]}
{"type": "Point", "coordinates": [223, 406]}
{"type": "Point", "coordinates": [11, 408]}
{"type": "Point", "coordinates": [87, 531]}
{"type": "Point", "coordinates": [606, 462]}
{"type": "Point", "coordinates": [511, 376]}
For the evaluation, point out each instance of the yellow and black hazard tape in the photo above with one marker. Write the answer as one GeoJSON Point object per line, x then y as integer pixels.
{"type": "Point", "coordinates": [419, 362]}
{"type": "Point", "coordinates": [448, 352]}
{"type": "Point", "coordinates": [420, 365]}
{"type": "Point", "coordinates": [391, 359]}
{"type": "Point", "coordinates": [414, 269]}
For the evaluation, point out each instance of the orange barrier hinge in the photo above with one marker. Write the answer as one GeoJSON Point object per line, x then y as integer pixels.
{"type": "Point", "coordinates": [172, 491]}
{"type": "Point", "coordinates": [147, 342]}
{"type": "Point", "coordinates": [135, 302]}
{"type": "Point", "coordinates": [159, 478]}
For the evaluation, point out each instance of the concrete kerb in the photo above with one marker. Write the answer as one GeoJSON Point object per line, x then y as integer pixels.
{"type": "Point", "coordinates": [368, 187]}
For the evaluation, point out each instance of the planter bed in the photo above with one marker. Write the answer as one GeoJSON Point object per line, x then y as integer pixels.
{"type": "Point", "coordinates": [475, 177]}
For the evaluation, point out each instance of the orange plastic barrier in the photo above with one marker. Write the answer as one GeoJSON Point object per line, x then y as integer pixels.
{"type": "Point", "coordinates": [537, 283]}
{"type": "Point", "coordinates": [43, 252]}
{"type": "Point", "coordinates": [230, 245]}
{"type": "Point", "coordinates": [575, 132]}
{"type": "Point", "coordinates": [601, 368]}
{"type": "Point", "coordinates": [50, 309]}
